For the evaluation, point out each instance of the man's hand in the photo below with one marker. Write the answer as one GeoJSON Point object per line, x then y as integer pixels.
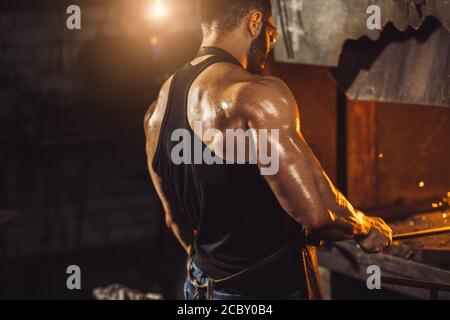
{"type": "Point", "coordinates": [379, 237]}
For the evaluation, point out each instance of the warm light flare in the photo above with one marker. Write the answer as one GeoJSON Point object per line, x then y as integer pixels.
{"type": "Point", "coordinates": [153, 41]}
{"type": "Point", "coordinates": [157, 10]}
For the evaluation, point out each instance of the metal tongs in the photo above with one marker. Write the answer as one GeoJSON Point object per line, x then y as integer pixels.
{"type": "Point", "coordinates": [420, 234]}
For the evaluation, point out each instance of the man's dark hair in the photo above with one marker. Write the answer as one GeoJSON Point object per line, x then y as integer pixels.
{"type": "Point", "coordinates": [227, 14]}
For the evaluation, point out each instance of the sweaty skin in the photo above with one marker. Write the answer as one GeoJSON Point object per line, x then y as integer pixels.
{"type": "Point", "coordinates": [225, 97]}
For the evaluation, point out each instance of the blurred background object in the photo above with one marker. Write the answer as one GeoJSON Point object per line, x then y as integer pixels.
{"type": "Point", "coordinates": [119, 292]}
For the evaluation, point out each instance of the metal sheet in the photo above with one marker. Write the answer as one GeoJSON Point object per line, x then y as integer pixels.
{"type": "Point", "coordinates": [410, 67]}
{"type": "Point", "coordinates": [398, 64]}
{"type": "Point", "coordinates": [314, 31]}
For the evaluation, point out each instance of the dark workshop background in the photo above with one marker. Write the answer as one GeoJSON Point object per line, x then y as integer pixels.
{"type": "Point", "coordinates": [73, 173]}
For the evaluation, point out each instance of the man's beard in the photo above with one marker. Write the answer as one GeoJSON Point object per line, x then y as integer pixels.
{"type": "Point", "coordinates": [257, 54]}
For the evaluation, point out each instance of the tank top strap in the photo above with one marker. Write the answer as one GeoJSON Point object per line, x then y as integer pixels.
{"type": "Point", "coordinates": [219, 53]}
{"type": "Point", "coordinates": [175, 116]}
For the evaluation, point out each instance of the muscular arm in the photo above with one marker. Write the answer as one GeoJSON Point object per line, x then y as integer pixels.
{"type": "Point", "coordinates": [301, 185]}
{"type": "Point", "coordinates": [175, 220]}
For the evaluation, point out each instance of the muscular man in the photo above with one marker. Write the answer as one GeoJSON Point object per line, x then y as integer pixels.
{"type": "Point", "coordinates": [244, 232]}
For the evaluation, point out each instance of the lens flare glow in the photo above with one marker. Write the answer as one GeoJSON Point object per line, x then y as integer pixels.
{"type": "Point", "coordinates": [157, 10]}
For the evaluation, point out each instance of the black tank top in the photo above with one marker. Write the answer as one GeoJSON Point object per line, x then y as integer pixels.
{"type": "Point", "coordinates": [237, 218]}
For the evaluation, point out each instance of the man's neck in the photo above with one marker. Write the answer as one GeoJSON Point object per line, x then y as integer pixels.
{"type": "Point", "coordinates": [228, 45]}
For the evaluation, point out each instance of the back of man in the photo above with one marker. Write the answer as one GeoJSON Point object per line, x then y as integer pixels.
{"type": "Point", "coordinates": [238, 220]}
{"type": "Point", "coordinates": [239, 209]}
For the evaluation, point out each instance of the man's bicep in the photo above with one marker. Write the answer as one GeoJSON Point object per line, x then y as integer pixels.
{"type": "Point", "coordinates": [294, 185]}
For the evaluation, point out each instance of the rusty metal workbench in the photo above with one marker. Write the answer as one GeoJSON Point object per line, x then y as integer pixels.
{"type": "Point", "coordinates": [426, 259]}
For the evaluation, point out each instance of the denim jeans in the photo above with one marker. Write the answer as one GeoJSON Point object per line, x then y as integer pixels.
{"type": "Point", "coordinates": [192, 293]}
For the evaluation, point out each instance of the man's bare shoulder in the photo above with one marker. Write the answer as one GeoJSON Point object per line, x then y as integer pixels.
{"type": "Point", "coordinates": [152, 117]}
{"type": "Point", "coordinates": [266, 97]}
{"type": "Point", "coordinates": [264, 89]}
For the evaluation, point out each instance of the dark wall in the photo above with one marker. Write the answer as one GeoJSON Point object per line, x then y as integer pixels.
{"type": "Point", "coordinates": [72, 160]}
{"type": "Point", "coordinates": [414, 141]}
{"type": "Point", "coordinates": [316, 95]}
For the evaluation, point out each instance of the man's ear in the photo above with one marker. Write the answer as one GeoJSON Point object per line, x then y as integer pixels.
{"type": "Point", "coordinates": [255, 23]}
